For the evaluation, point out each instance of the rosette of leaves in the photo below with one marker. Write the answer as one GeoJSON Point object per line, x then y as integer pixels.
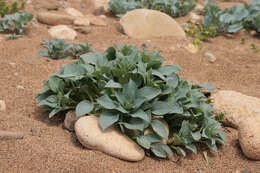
{"type": "Point", "coordinates": [13, 8]}
{"type": "Point", "coordinates": [59, 49]}
{"type": "Point", "coordinates": [174, 8]}
{"type": "Point", "coordinates": [132, 90]}
{"type": "Point", "coordinates": [79, 49]}
{"type": "Point", "coordinates": [15, 23]}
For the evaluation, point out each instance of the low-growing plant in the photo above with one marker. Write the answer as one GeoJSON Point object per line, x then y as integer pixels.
{"type": "Point", "coordinates": [174, 8]}
{"type": "Point", "coordinates": [131, 89]}
{"type": "Point", "coordinates": [15, 23]}
{"type": "Point", "coordinates": [13, 8]}
{"type": "Point", "coordinates": [80, 49]}
{"type": "Point", "coordinates": [231, 20]}
{"type": "Point", "coordinates": [59, 49]}
{"type": "Point", "coordinates": [200, 33]}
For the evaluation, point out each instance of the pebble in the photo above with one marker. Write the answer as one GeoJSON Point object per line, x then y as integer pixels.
{"type": "Point", "coordinates": [2, 106]}
{"type": "Point", "coordinates": [211, 57]}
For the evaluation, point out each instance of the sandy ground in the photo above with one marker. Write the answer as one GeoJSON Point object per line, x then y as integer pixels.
{"type": "Point", "coordinates": [48, 148]}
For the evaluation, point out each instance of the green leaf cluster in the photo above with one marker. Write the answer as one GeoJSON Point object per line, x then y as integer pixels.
{"type": "Point", "coordinates": [231, 20]}
{"type": "Point", "coordinates": [15, 23]}
{"type": "Point", "coordinates": [174, 8]}
{"type": "Point", "coordinates": [59, 49]}
{"type": "Point", "coordinates": [13, 8]}
{"type": "Point", "coordinates": [130, 88]}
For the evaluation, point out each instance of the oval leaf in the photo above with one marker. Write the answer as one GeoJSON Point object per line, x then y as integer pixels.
{"type": "Point", "coordinates": [84, 107]}
{"type": "Point", "coordinates": [106, 119]}
{"type": "Point", "coordinates": [159, 128]}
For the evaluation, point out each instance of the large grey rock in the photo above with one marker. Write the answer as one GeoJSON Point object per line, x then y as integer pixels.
{"type": "Point", "coordinates": [62, 32]}
{"type": "Point", "coordinates": [110, 141]}
{"type": "Point", "coordinates": [236, 107]}
{"type": "Point", "coordinates": [145, 24]}
{"type": "Point", "coordinates": [54, 18]}
{"type": "Point", "coordinates": [249, 137]}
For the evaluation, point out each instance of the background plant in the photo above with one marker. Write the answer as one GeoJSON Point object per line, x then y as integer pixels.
{"type": "Point", "coordinates": [131, 89]}
{"type": "Point", "coordinates": [59, 49]}
{"type": "Point", "coordinates": [174, 8]}
{"type": "Point", "coordinates": [13, 8]}
{"type": "Point", "coordinates": [15, 23]}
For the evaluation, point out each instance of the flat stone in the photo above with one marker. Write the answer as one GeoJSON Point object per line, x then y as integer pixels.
{"type": "Point", "coordinates": [236, 106]}
{"type": "Point", "coordinates": [111, 141]}
{"type": "Point", "coordinates": [62, 32]}
{"type": "Point", "coordinates": [54, 18]}
{"type": "Point", "coordinates": [249, 137]}
{"type": "Point", "coordinates": [73, 12]}
{"type": "Point", "coordinates": [146, 24]}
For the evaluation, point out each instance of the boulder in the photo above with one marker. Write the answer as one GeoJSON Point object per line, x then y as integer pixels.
{"type": "Point", "coordinates": [146, 24]}
{"type": "Point", "coordinates": [73, 12]}
{"type": "Point", "coordinates": [62, 32]}
{"type": "Point", "coordinates": [54, 18]}
{"type": "Point", "coordinates": [70, 120]}
{"type": "Point", "coordinates": [111, 141]}
{"type": "Point", "coordinates": [236, 106]}
{"type": "Point", "coordinates": [94, 20]}
{"type": "Point", "coordinates": [249, 137]}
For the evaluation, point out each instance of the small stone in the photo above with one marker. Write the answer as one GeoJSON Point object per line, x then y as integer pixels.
{"type": "Point", "coordinates": [191, 48]}
{"type": "Point", "coordinates": [2, 106]}
{"type": "Point", "coordinates": [34, 131]}
{"type": "Point", "coordinates": [249, 136]}
{"type": "Point", "coordinates": [211, 57]}
{"type": "Point", "coordinates": [236, 106]}
{"type": "Point", "coordinates": [54, 18]}
{"type": "Point", "coordinates": [102, 16]}
{"type": "Point", "coordinates": [2, 38]}
{"type": "Point", "coordinates": [146, 24]}
{"type": "Point", "coordinates": [62, 32]}
{"type": "Point", "coordinates": [82, 22]}
{"type": "Point", "coordinates": [73, 12]}
{"type": "Point", "coordinates": [194, 17]}
{"type": "Point", "coordinates": [70, 120]}
{"type": "Point", "coordinates": [16, 74]}
{"type": "Point", "coordinates": [83, 30]}
{"type": "Point", "coordinates": [12, 64]}
{"type": "Point", "coordinates": [20, 87]}
{"type": "Point", "coordinates": [110, 141]}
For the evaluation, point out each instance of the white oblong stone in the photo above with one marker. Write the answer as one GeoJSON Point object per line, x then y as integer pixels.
{"type": "Point", "coordinates": [111, 141]}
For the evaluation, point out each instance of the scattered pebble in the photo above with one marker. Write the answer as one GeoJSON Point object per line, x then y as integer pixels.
{"type": "Point", "coordinates": [211, 57]}
{"type": "Point", "coordinates": [191, 48]}
{"type": "Point", "coordinates": [34, 131]}
{"type": "Point", "coordinates": [20, 87]}
{"type": "Point", "coordinates": [16, 74]}
{"type": "Point", "coordinates": [12, 64]}
{"type": "Point", "coordinates": [2, 106]}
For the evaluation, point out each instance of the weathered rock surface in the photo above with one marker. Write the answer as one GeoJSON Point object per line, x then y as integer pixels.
{"type": "Point", "coordinates": [82, 22]}
{"type": "Point", "coordinates": [70, 120]}
{"type": "Point", "coordinates": [94, 20]}
{"type": "Point", "coordinates": [249, 137]}
{"type": "Point", "coordinates": [145, 24]}
{"type": "Point", "coordinates": [62, 32]}
{"type": "Point", "coordinates": [54, 18]}
{"type": "Point", "coordinates": [73, 12]}
{"type": "Point", "coordinates": [110, 141]}
{"type": "Point", "coordinates": [236, 106]}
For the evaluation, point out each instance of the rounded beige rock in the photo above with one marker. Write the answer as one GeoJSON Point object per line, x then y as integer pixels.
{"type": "Point", "coordinates": [111, 141]}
